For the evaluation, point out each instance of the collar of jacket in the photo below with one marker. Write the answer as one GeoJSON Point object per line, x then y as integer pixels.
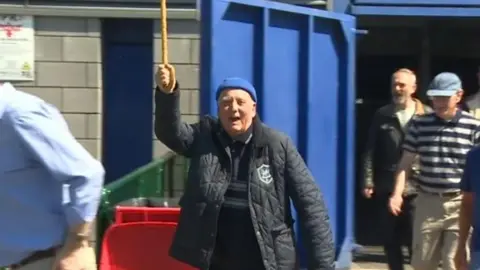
{"type": "Point", "coordinates": [259, 139]}
{"type": "Point", "coordinates": [419, 108]}
{"type": "Point", "coordinates": [243, 138]}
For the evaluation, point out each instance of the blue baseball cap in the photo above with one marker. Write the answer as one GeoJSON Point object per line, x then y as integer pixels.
{"type": "Point", "coordinates": [237, 83]}
{"type": "Point", "coordinates": [445, 84]}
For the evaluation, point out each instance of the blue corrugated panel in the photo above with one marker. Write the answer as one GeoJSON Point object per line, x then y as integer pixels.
{"type": "Point", "coordinates": [433, 3]}
{"type": "Point", "coordinates": [423, 8]}
{"type": "Point", "coordinates": [301, 61]}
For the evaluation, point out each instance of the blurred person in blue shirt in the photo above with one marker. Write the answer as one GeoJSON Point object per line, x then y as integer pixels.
{"type": "Point", "coordinates": [50, 188]}
{"type": "Point", "coordinates": [470, 214]}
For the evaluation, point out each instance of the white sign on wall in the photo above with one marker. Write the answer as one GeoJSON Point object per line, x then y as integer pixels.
{"type": "Point", "coordinates": [17, 48]}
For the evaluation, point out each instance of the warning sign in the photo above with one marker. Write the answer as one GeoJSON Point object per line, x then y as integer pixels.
{"type": "Point", "coordinates": [27, 70]}
{"type": "Point", "coordinates": [17, 51]}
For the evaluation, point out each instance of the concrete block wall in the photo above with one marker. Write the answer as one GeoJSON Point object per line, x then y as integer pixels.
{"type": "Point", "coordinates": [183, 46]}
{"type": "Point", "coordinates": [68, 74]}
{"type": "Point", "coordinates": [68, 71]}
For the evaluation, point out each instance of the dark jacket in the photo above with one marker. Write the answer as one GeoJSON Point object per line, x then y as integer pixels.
{"type": "Point", "coordinates": [269, 204]}
{"type": "Point", "coordinates": [384, 151]}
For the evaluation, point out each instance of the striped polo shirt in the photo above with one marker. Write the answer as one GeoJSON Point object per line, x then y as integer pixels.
{"type": "Point", "coordinates": [442, 148]}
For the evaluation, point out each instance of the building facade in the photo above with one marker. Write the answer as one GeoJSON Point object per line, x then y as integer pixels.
{"type": "Point", "coordinates": [68, 60]}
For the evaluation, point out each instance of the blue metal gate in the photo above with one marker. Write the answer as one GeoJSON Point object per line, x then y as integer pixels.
{"type": "Point", "coordinates": [301, 61]}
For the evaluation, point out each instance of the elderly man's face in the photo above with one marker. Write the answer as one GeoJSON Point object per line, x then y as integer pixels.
{"type": "Point", "coordinates": [403, 87]}
{"type": "Point", "coordinates": [446, 107]}
{"type": "Point", "coordinates": [236, 111]}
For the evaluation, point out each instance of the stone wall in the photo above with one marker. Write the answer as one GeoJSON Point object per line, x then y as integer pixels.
{"type": "Point", "coordinates": [68, 71]}
{"type": "Point", "coordinates": [68, 74]}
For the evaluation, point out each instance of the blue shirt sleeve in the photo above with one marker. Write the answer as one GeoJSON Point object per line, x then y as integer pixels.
{"type": "Point", "coordinates": [46, 135]}
{"type": "Point", "coordinates": [467, 178]}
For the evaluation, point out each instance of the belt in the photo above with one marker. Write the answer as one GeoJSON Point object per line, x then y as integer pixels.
{"type": "Point", "coordinates": [442, 194]}
{"type": "Point", "coordinates": [35, 257]}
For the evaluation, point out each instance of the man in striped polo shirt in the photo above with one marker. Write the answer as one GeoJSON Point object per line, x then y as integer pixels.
{"type": "Point", "coordinates": [441, 141]}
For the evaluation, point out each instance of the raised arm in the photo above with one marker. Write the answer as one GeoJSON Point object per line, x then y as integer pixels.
{"type": "Point", "coordinates": [169, 128]}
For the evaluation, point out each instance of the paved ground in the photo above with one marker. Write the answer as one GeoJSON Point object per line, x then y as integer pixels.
{"type": "Point", "coordinates": [372, 266]}
{"type": "Point", "coordinates": [371, 258]}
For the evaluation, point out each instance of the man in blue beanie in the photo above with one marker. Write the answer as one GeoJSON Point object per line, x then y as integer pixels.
{"type": "Point", "coordinates": [236, 206]}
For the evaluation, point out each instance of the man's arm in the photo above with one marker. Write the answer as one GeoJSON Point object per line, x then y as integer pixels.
{"type": "Point", "coordinates": [313, 214]}
{"type": "Point", "coordinates": [404, 166]}
{"type": "Point", "coordinates": [466, 209]}
{"type": "Point", "coordinates": [465, 223]}
{"type": "Point", "coordinates": [169, 128]}
{"type": "Point", "coordinates": [45, 134]}
{"type": "Point", "coordinates": [367, 169]}
{"type": "Point", "coordinates": [410, 146]}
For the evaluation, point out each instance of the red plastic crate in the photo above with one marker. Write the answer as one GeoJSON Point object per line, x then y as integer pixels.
{"type": "Point", "coordinates": [139, 246]}
{"type": "Point", "coordinates": [128, 214]}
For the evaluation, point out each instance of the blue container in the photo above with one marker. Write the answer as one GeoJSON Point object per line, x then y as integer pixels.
{"type": "Point", "coordinates": [301, 62]}
{"type": "Point", "coordinates": [418, 8]}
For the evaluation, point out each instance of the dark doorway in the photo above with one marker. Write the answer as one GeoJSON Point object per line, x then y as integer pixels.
{"type": "Point", "coordinates": [373, 91]}
{"type": "Point", "coordinates": [460, 54]}
{"type": "Point", "coordinates": [465, 68]}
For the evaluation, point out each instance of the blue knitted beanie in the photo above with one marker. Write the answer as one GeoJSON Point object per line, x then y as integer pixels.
{"type": "Point", "coordinates": [236, 83]}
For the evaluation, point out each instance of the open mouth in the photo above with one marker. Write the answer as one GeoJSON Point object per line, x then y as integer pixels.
{"type": "Point", "coordinates": [234, 119]}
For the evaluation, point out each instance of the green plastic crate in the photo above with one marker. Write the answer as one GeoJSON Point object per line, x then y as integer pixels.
{"type": "Point", "coordinates": [145, 182]}
{"type": "Point", "coordinates": [156, 180]}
